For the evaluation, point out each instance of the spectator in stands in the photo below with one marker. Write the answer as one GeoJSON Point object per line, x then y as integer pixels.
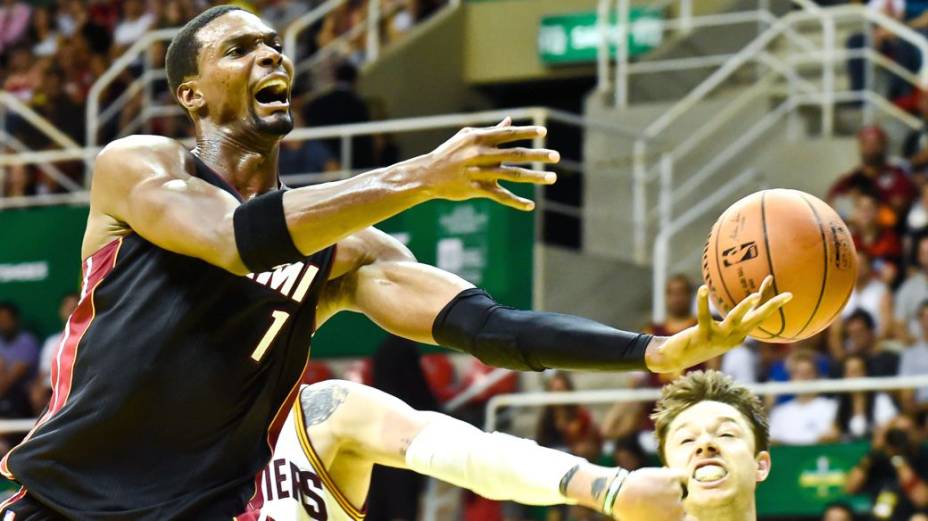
{"type": "Point", "coordinates": [14, 22]}
{"type": "Point", "coordinates": [304, 157]}
{"type": "Point", "coordinates": [911, 294]}
{"type": "Point", "coordinates": [860, 339]}
{"type": "Point", "coordinates": [18, 181]}
{"type": "Point", "coordinates": [873, 230]}
{"type": "Point", "coordinates": [24, 74]}
{"type": "Point", "coordinates": [42, 33]}
{"type": "Point", "coordinates": [914, 362]}
{"type": "Point", "coordinates": [19, 353]}
{"type": "Point", "coordinates": [71, 17]}
{"type": "Point", "coordinates": [52, 101]}
{"type": "Point", "coordinates": [40, 389]}
{"type": "Point", "coordinates": [916, 223]}
{"type": "Point", "coordinates": [135, 22]}
{"type": "Point", "coordinates": [894, 472]}
{"type": "Point", "coordinates": [870, 294]}
{"type": "Point", "coordinates": [887, 43]}
{"type": "Point", "coordinates": [628, 453]}
{"type": "Point", "coordinates": [342, 104]}
{"type": "Point", "coordinates": [807, 418]}
{"type": "Point", "coordinates": [860, 413]}
{"type": "Point", "coordinates": [565, 427]}
{"type": "Point", "coordinates": [874, 175]}
{"type": "Point", "coordinates": [838, 511]}
{"type": "Point", "coordinates": [915, 147]}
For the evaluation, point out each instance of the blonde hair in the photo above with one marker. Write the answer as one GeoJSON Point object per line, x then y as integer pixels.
{"type": "Point", "coordinates": [700, 386]}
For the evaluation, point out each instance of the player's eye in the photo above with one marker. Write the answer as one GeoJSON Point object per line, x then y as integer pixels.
{"type": "Point", "coordinates": [277, 46]}
{"type": "Point", "coordinates": [235, 51]}
{"type": "Point", "coordinates": [684, 441]}
{"type": "Point", "coordinates": [727, 435]}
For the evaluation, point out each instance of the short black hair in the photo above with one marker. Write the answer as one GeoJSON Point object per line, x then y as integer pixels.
{"type": "Point", "coordinates": [346, 72]}
{"type": "Point", "coordinates": [862, 315]}
{"type": "Point", "coordinates": [10, 308]}
{"type": "Point", "coordinates": [180, 62]}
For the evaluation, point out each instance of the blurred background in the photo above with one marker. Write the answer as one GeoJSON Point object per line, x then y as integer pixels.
{"type": "Point", "coordinates": [665, 112]}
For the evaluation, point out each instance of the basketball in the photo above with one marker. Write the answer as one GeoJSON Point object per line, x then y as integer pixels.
{"type": "Point", "coordinates": [799, 240]}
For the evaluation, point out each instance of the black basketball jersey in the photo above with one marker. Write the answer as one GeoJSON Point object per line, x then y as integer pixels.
{"type": "Point", "coordinates": [172, 380]}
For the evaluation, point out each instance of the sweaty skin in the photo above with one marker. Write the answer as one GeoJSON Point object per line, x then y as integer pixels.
{"type": "Point", "coordinates": [145, 185]}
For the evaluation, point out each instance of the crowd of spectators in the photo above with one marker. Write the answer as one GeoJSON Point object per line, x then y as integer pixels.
{"type": "Point", "coordinates": [52, 52]}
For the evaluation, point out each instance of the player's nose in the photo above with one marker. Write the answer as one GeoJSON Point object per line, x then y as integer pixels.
{"type": "Point", "coordinates": [270, 57]}
{"type": "Point", "coordinates": [705, 446]}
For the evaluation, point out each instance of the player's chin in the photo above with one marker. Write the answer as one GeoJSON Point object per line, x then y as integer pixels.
{"type": "Point", "coordinates": [713, 493]}
{"type": "Point", "coordinates": [278, 123]}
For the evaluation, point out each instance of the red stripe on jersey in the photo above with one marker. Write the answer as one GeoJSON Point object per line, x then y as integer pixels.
{"type": "Point", "coordinates": [95, 269]}
{"type": "Point", "coordinates": [273, 432]}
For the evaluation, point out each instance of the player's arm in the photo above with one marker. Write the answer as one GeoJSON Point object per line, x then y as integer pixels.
{"type": "Point", "coordinates": [375, 275]}
{"type": "Point", "coordinates": [145, 183]}
{"type": "Point", "coordinates": [380, 428]}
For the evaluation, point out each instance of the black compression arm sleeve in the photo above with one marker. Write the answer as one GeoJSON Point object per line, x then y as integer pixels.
{"type": "Point", "coordinates": [527, 340]}
{"type": "Point", "coordinates": [261, 234]}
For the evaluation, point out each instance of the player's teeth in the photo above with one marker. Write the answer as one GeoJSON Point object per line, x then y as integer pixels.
{"type": "Point", "coordinates": [709, 473]}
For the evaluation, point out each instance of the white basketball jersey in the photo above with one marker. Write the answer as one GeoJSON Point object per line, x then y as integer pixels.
{"type": "Point", "coordinates": [296, 485]}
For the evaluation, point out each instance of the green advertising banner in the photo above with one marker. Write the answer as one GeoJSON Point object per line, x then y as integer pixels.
{"type": "Point", "coordinates": [483, 242]}
{"type": "Point", "coordinates": [574, 38]}
{"type": "Point", "coordinates": [40, 261]}
{"type": "Point", "coordinates": [803, 480]}
{"type": "Point", "coordinates": [479, 240]}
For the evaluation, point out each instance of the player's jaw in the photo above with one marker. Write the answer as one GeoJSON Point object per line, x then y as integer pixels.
{"type": "Point", "coordinates": [270, 108]}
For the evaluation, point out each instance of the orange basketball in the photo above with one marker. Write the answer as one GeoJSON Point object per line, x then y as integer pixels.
{"type": "Point", "coordinates": [799, 240]}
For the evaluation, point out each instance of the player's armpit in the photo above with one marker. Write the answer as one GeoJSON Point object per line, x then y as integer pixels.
{"type": "Point", "coordinates": [142, 183]}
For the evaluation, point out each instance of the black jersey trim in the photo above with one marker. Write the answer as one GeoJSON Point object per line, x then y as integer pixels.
{"type": "Point", "coordinates": [77, 327]}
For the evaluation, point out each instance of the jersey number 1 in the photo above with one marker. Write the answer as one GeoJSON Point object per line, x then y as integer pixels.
{"type": "Point", "coordinates": [280, 317]}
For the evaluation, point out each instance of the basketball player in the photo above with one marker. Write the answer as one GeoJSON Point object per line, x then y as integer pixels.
{"type": "Point", "coordinates": [204, 281]}
{"type": "Point", "coordinates": [715, 431]}
{"type": "Point", "coordinates": [337, 431]}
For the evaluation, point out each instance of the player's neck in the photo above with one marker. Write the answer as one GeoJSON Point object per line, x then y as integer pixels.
{"type": "Point", "coordinates": [250, 167]}
{"type": "Point", "coordinates": [737, 511]}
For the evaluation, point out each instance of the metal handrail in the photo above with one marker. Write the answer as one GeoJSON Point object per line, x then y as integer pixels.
{"type": "Point", "coordinates": [11, 102]}
{"type": "Point", "coordinates": [609, 396]}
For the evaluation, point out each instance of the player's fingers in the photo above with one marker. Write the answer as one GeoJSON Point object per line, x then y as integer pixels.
{"type": "Point", "coordinates": [507, 121]}
{"type": "Point", "coordinates": [737, 314]}
{"type": "Point", "coordinates": [703, 315]}
{"type": "Point", "coordinates": [507, 198]}
{"type": "Point", "coordinates": [756, 316]}
{"type": "Point", "coordinates": [766, 289]}
{"type": "Point", "coordinates": [497, 135]}
{"type": "Point", "coordinates": [495, 156]}
{"type": "Point", "coordinates": [514, 174]}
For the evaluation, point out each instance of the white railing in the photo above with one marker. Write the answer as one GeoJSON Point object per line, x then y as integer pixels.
{"type": "Point", "coordinates": [800, 92]}
{"type": "Point", "coordinates": [611, 396]}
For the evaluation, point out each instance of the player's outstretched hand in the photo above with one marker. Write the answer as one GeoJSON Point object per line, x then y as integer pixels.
{"type": "Point", "coordinates": [651, 493]}
{"type": "Point", "coordinates": [471, 164]}
{"type": "Point", "coordinates": [709, 338]}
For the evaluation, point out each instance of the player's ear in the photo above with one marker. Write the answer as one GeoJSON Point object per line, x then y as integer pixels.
{"type": "Point", "coordinates": [190, 97]}
{"type": "Point", "coordinates": [762, 466]}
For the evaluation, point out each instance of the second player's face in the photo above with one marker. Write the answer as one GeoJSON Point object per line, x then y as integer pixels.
{"type": "Point", "coordinates": [714, 444]}
{"type": "Point", "coordinates": [243, 76]}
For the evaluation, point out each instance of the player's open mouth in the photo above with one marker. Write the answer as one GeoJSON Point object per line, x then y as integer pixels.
{"type": "Point", "coordinates": [273, 93]}
{"type": "Point", "coordinates": [709, 473]}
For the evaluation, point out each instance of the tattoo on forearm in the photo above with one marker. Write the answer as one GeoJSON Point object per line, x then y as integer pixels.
{"type": "Point", "coordinates": [569, 475]}
{"type": "Point", "coordinates": [598, 488]}
{"type": "Point", "coordinates": [320, 401]}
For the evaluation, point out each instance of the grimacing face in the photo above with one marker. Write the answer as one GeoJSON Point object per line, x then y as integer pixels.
{"type": "Point", "coordinates": [714, 444]}
{"type": "Point", "coordinates": [243, 76]}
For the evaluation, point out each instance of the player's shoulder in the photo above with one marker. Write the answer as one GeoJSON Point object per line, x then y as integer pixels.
{"type": "Point", "coordinates": [141, 153]}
